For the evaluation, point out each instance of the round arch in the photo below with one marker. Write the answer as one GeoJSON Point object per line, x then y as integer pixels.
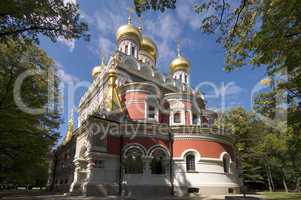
{"type": "Point", "coordinates": [223, 154]}
{"type": "Point", "coordinates": [153, 148]}
{"type": "Point", "coordinates": [129, 146]}
{"type": "Point", "coordinates": [191, 151]}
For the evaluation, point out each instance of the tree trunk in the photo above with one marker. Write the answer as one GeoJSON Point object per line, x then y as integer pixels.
{"type": "Point", "coordinates": [269, 180]}
{"type": "Point", "coordinates": [284, 183]}
{"type": "Point", "coordinates": [298, 184]}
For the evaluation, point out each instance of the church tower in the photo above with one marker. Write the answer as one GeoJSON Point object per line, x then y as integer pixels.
{"type": "Point", "coordinates": [128, 39]}
{"type": "Point", "coordinates": [179, 68]}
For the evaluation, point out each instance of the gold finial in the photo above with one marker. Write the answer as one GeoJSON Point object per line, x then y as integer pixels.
{"type": "Point", "coordinates": [101, 56]}
{"type": "Point", "coordinates": [69, 133]}
{"type": "Point", "coordinates": [130, 10]}
{"type": "Point", "coordinates": [178, 48]}
{"type": "Point", "coordinates": [140, 23]}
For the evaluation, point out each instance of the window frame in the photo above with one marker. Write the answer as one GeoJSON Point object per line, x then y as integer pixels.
{"type": "Point", "coordinates": [179, 117]}
{"type": "Point", "coordinates": [226, 164]}
{"type": "Point", "coordinates": [190, 164]}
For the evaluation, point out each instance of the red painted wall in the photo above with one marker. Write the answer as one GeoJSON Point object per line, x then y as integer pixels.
{"type": "Point", "coordinates": [210, 149]}
{"type": "Point", "coordinates": [187, 118]}
{"type": "Point", "coordinates": [113, 143]}
{"type": "Point", "coordinates": [136, 110]}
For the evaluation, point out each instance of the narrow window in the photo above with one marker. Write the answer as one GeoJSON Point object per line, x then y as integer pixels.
{"type": "Point", "coordinates": [151, 112]}
{"type": "Point", "coordinates": [126, 49]}
{"type": "Point", "coordinates": [133, 51]}
{"type": "Point", "coordinates": [185, 78]}
{"type": "Point", "coordinates": [190, 162]}
{"type": "Point", "coordinates": [226, 164]}
{"type": "Point", "coordinates": [177, 117]}
{"type": "Point", "coordinates": [194, 119]}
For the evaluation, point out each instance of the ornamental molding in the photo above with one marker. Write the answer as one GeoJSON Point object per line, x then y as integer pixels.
{"type": "Point", "coordinates": [202, 137]}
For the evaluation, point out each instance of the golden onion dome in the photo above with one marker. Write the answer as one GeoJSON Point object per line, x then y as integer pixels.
{"type": "Point", "coordinates": [179, 63]}
{"type": "Point", "coordinates": [128, 30]}
{"type": "Point", "coordinates": [97, 70]}
{"type": "Point", "coordinates": [148, 45]}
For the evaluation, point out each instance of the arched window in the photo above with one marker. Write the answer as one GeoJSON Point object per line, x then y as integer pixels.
{"type": "Point", "coordinates": [190, 162]}
{"type": "Point", "coordinates": [133, 162]}
{"type": "Point", "coordinates": [157, 163]}
{"type": "Point", "coordinates": [133, 51]}
{"type": "Point", "coordinates": [226, 163]}
{"type": "Point", "coordinates": [177, 117]}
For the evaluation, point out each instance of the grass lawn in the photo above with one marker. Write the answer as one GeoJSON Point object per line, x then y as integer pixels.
{"type": "Point", "coordinates": [282, 196]}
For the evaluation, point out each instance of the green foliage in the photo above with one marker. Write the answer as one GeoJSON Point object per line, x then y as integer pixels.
{"type": "Point", "coordinates": [25, 138]}
{"type": "Point", "coordinates": [29, 18]}
{"type": "Point", "coordinates": [258, 33]}
{"type": "Point", "coordinates": [162, 5]}
{"type": "Point", "coordinates": [263, 149]}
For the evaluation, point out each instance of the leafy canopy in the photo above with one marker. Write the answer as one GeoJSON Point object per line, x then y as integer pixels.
{"type": "Point", "coordinates": [26, 138]}
{"type": "Point", "coordinates": [52, 18]}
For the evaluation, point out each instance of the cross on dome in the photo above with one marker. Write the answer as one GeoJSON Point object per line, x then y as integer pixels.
{"type": "Point", "coordinates": [130, 11]}
{"type": "Point", "coordinates": [178, 48]}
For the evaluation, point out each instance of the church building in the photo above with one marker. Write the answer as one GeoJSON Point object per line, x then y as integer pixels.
{"type": "Point", "coordinates": [142, 132]}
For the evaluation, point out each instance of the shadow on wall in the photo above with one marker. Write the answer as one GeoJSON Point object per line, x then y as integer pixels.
{"type": "Point", "coordinates": [183, 184]}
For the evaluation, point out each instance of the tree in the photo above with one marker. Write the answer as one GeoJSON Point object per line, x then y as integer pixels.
{"type": "Point", "coordinates": [246, 131]}
{"type": "Point", "coordinates": [162, 5]}
{"type": "Point", "coordinates": [26, 138]}
{"type": "Point", "coordinates": [258, 33]}
{"type": "Point", "coordinates": [28, 18]}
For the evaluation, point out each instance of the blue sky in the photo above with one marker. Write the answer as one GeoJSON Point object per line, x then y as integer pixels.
{"type": "Point", "coordinates": [76, 59]}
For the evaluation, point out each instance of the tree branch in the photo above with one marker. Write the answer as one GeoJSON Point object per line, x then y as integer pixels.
{"type": "Point", "coordinates": [223, 10]}
{"type": "Point", "coordinates": [31, 28]}
{"type": "Point", "coordinates": [238, 15]}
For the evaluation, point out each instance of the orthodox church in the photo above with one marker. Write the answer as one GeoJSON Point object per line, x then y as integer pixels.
{"type": "Point", "coordinates": [142, 132]}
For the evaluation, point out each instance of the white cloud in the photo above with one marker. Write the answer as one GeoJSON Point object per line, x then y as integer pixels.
{"type": "Point", "coordinates": [65, 77]}
{"type": "Point", "coordinates": [107, 45]}
{"type": "Point", "coordinates": [187, 14]}
{"type": "Point", "coordinates": [230, 89]}
{"type": "Point", "coordinates": [165, 31]}
{"type": "Point", "coordinates": [69, 43]}
{"type": "Point", "coordinates": [69, 1]}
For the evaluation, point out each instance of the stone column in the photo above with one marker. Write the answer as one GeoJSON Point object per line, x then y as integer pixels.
{"type": "Point", "coordinates": [146, 166]}
{"type": "Point", "coordinates": [75, 187]}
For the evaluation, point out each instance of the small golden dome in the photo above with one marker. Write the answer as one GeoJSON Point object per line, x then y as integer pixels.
{"type": "Point", "coordinates": [128, 30]}
{"type": "Point", "coordinates": [148, 45]}
{"type": "Point", "coordinates": [179, 63]}
{"type": "Point", "coordinates": [97, 70]}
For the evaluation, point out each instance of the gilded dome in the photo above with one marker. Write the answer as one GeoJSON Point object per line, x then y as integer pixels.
{"type": "Point", "coordinates": [97, 70]}
{"type": "Point", "coordinates": [179, 63]}
{"type": "Point", "coordinates": [148, 45]}
{"type": "Point", "coordinates": [128, 30]}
